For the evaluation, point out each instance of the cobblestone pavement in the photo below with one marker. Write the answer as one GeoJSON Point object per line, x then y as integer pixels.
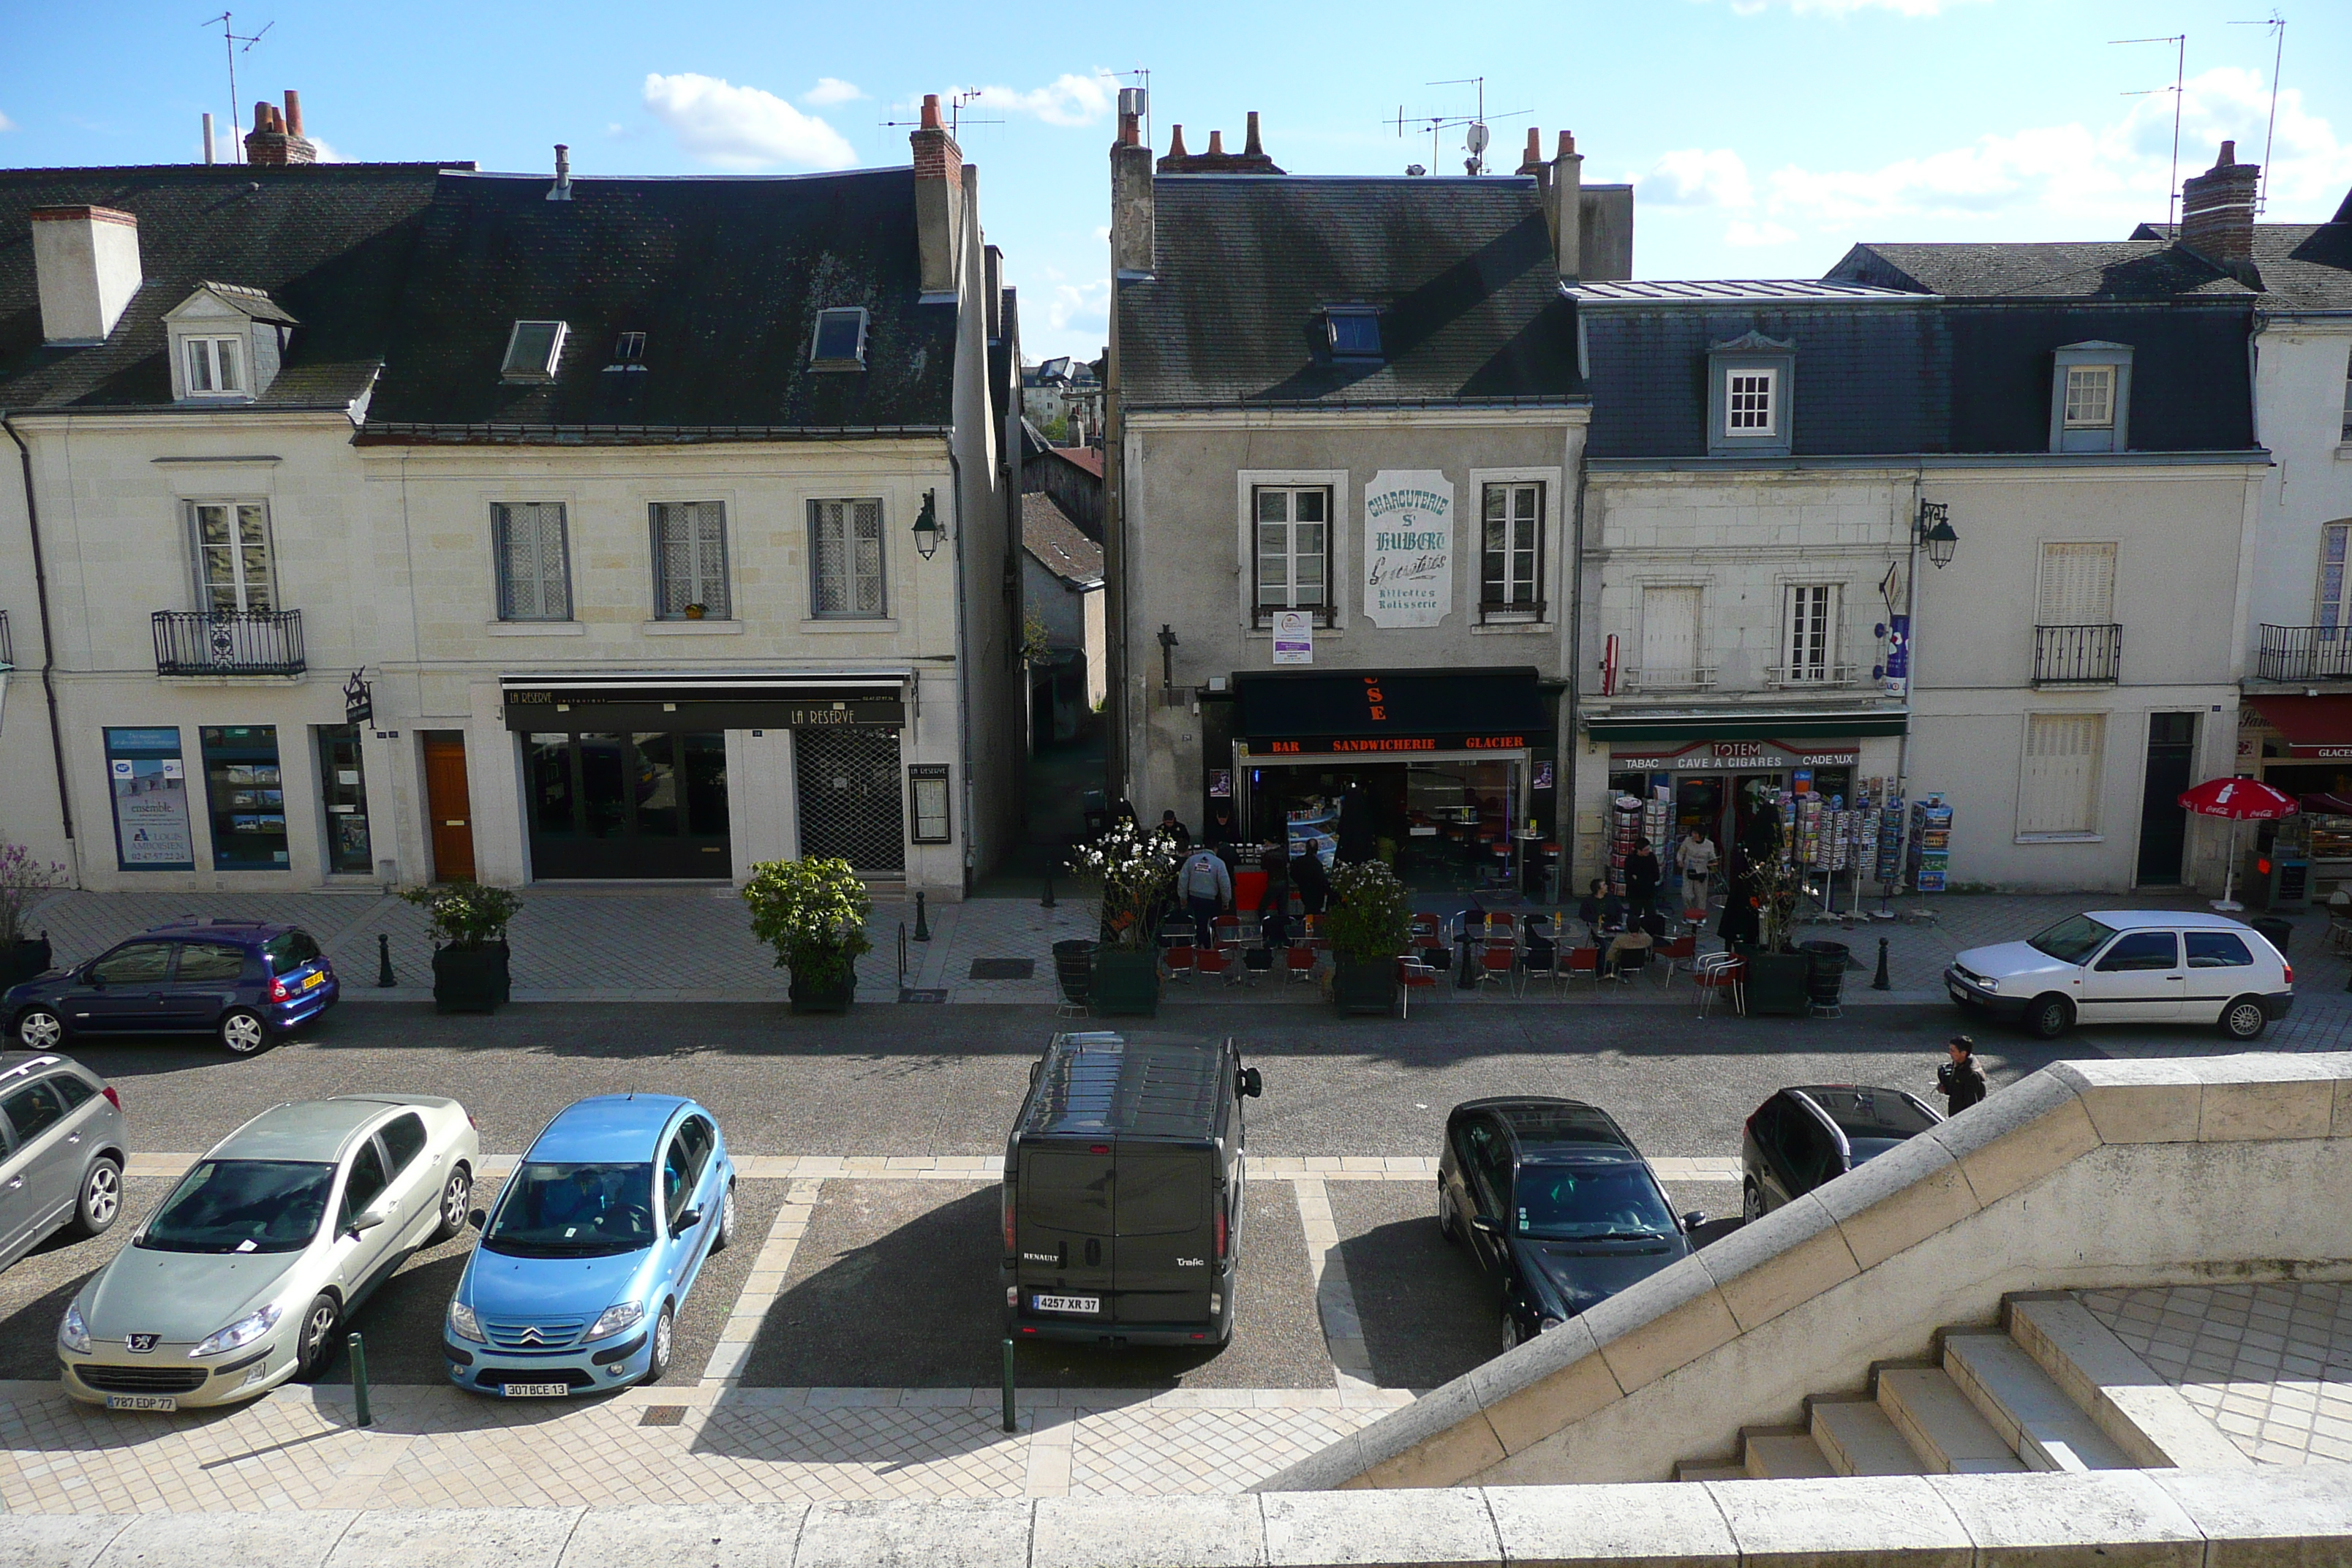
{"type": "Point", "coordinates": [2269, 1364]}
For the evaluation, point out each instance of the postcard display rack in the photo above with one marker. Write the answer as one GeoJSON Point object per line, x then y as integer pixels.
{"type": "Point", "coordinates": [1929, 859]}
{"type": "Point", "coordinates": [1832, 840]}
{"type": "Point", "coordinates": [1630, 818]}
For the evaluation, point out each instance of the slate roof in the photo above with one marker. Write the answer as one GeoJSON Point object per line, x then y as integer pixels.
{"type": "Point", "coordinates": [2302, 266]}
{"type": "Point", "coordinates": [1462, 271]}
{"type": "Point", "coordinates": [2089, 270]}
{"type": "Point", "coordinates": [1638, 291]}
{"type": "Point", "coordinates": [1047, 534]}
{"type": "Point", "coordinates": [723, 275]}
{"type": "Point", "coordinates": [327, 243]}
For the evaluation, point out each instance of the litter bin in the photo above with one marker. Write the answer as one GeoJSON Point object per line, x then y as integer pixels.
{"type": "Point", "coordinates": [1074, 968]}
{"type": "Point", "coordinates": [2275, 929]}
{"type": "Point", "coordinates": [1826, 981]}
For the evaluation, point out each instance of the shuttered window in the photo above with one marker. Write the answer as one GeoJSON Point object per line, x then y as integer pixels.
{"type": "Point", "coordinates": [2060, 787]}
{"type": "Point", "coordinates": [689, 559]}
{"type": "Point", "coordinates": [2078, 585]}
{"type": "Point", "coordinates": [1669, 637]}
{"type": "Point", "coordinates": [846, 558]}
{"type": "Point", "coordinates": [1808, 642]}
{"type": "Point", "coordinates": [534, 562]}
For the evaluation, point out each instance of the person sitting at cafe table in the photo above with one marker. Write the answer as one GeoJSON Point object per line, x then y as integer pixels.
{"type": "Point", "coordinates": [1603, 911]}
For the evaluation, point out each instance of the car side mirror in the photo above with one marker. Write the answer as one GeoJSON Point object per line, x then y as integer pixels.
{"type": "Point", "coordinates": [687, 1222]}
{"type": "Point", "coordinates": [87, 975]}
{"type": "Point", "coordinates": [1693, 1220]}
{"type": "Point", "coordinates": [478, 1219]}
{"type": "Point", "coordinates": [1484, 1225]}
{"type": "Point", "coordinates": [1249, 1084]}
{"type": "Point", "coordinates": [361, 1221]}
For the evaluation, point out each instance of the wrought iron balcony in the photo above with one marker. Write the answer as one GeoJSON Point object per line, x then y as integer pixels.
{"type": "Point", "coordinates": [228, 642]}
{"type": "Point", "coordinates": [1815, 676]}
{"type": "Point", "coordinates": [2078, 656]}
{"type": "Point", "coordinates": [1700, 677]}
{"type": "Point", "coordinates": [2305, 653]}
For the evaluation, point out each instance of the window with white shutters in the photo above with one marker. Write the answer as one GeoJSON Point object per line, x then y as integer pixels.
{"type": "Point", "coordinates": [2335, 615]}
{"type": "Point", "coordinates": [2078, 585]}
{"type": "Point", "coordinates": [1512, 552]}
{"type": "Point", "coordinates": [1294, 550]}
{"type": "Point", "coordinates": [846, 558]}
{"type": "Point", "coordinates": [233, 560]}
{"type": "Point", "coordinates": [2059, 788]}
{"type": "Point", "coordinates": [689, 559]}
{"type": "Point", "coordinates": [1669, 637]}
{"type": "Point", "coordinates": [1809, 641]}
{"type": "Point", "coordinates": [534, 561]}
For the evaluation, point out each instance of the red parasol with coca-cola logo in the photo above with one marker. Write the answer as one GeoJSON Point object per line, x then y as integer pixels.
{"type": "Point", "coordinates": [2237, 800]}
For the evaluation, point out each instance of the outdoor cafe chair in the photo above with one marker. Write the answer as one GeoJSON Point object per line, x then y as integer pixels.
{"type": "Point", "coordinates": [1681, 953]}
{"type": "Point", "coordinates": [1717, 973]}
{"type": "Point", "coordinates": [1414, 975]}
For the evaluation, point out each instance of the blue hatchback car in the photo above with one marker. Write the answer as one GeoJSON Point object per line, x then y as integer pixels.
{"type": "Point", "coordinates": [238, 981]}
{"type": "Point", "coordinates": [595, 1241]}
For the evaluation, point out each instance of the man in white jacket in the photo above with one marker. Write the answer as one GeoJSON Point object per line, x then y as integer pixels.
{"type": "Point", "coordinates": [1695, 856]}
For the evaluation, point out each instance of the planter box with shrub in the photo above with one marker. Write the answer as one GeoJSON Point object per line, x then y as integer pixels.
{"type": "Point", "coordinates": [1124, 982]}
{"type": "Point", "coordinates": [1370, 924]}
{"type": "Point", "coordinates": [1778, 984]}
{"type": "Point", "coordinates": [472, 964]}
{"type": "Point", "coordinates": [1365, 986]}
{"type": "Point", "coordinates": [813, 912]}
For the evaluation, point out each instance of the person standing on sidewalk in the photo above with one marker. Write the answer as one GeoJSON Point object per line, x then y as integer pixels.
{"type": "Point", "coordinates": [1695, 856]}
{"type": "Point", "coordinates": [1313, 882]}
{"type": "Point", "coordinates": [1208, 889]}
{"type": "Point", "coordinates": [1642, 875]}
{"type": "Point", "coordinates": [1960, 1081]}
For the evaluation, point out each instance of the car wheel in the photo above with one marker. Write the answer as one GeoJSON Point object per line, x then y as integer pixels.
{"type": "Point", "coordinates": [1448, 1225]}
{"type": "Point", "coordinates": [101, 1199]}
{"type": "Point", "coordinates": [726, 1220]}
{"type": "Point", "coordinates": [665, 1343]}
{"type": "Point", "coordinates": [2243, 1019]}
{"type": "Point", "coordinates": [1752, 1202]}
{"type": "Point", "coordinates": [242, 1032]}
{"type": "Point", "coordinates": [1511, 1335]}
{"type": "Point", "coordinates": [456, 1197]}
{"type": "Point", "coordinates": [40, 1029]}
{"type": "Point", "coordinates": [317, 1340]}
{"type": "Point", "coordinates": [2049, 1018]}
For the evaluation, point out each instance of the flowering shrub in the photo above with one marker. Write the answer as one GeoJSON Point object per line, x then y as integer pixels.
{"type": "Point", "coordinates": [813, 912]}
{"type": "Point", "coordinates": [1371, 913]}
{"type": "Point", "coordinates": [22, 879]}
{"type": "Point", "coordinates": [466, 914]}
{"type": "Point", "coordinates": [1134, 877]}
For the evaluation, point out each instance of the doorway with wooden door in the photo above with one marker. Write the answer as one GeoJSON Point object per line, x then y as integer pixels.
{"type": "Point", "coordinates": [448, 805]}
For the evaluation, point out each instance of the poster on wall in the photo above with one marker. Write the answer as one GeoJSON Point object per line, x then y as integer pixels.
{"type": "Point", "coordinates": [1294, 636]}
{"type": "Point", "coordinates": [1409, 547]}
{"type": "Point", "coordinates": [149, 782]}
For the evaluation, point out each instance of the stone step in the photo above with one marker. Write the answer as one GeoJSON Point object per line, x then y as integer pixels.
{"type": "Point", "coordinates": [1684, 1470]}
{"type": "Point", "coordinates": [1785, 1455]}
{"type": "Point", "coordinates": [2143, 1416]}
{"type": "Point", "coordinates": [1942, 1427]}
{"type": "Point", "coordinates": [1858, 1440]}
{"type": "Point", "coordinates": [2034, 1415]}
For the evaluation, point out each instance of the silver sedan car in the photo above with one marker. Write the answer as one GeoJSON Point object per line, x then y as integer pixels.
{"type": "Point", "coordinates": [241, 1277]}
{"type": "Point", "coordinates": [62, 1151]}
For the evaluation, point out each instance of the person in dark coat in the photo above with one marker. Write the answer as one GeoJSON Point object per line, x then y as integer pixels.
{"type": "Point", "coordinates": [1642, 875]}
{"type": "Point", "coordinates": [1742, 924]}
{"type": "Point", "coordinates": [1960, 1081]}
{"type": "Point", "coordinates": [1275, 901]}
{"type": "Point", "coordinates": [1314, 883]}
{"type": "Point", "coordinates": [1177, 831]}
{"type": "Point", "coordinates": [1358, 834]}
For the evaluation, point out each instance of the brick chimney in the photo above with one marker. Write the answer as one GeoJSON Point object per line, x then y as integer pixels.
{"type": "Point", "coordinates": [1250, 160]}
{"type": "Point", "coordinates": [85, 268]}
{"type": "Point", "coordinates": [1133, 248]}
{"type": "Point", "coordinates": [1565, 200]}
{"type": "Point", "coordinates": [938, 199]}
{"type": "Point", "coordinates": [277, 139]}
{"type": "Point", "coordinates": [2217, 208]}
{"type": "Point", "coordinates": [1532, 160]}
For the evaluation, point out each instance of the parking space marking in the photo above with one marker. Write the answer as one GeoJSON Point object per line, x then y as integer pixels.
{"type": "Point", "coordinates": [724, 1367]}
{"type": "Point", "coordinates": [1335, 1303]}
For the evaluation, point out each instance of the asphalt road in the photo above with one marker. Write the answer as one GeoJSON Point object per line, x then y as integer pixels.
{"type": "Point", "coordinates": [946, 1080]}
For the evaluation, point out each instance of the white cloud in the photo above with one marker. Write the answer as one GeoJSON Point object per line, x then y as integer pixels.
{"type": "Point", "coordinates": [830, 91]}
{"type": "Point", "coordinates": [326, 153]}
{"type": "Point", "coordinates": [1067, 99]}
{"type": "Point", "coordinates": [731, 127]}
{"type": "Point", "coordinates": [6, 123]}
{"type": "Point", "coordinates": [1696, 177]}
{"type": "Point", "coordinates": [1745, 235]}
{"type": "Point", "coordinates": [1076, 306]}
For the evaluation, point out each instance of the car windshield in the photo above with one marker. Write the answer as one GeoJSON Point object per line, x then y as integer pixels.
{"type": "Point", "coordinates": [242, 1205]}
{"type": "Point", "coordinates": [2071, 940]}
{"type": "Point", "coordinates": [1871, 1148]}
{"type": "Point", "coordinates": [1588, 1203]}
{"type": "Point", "coordinates": [567, 1211]}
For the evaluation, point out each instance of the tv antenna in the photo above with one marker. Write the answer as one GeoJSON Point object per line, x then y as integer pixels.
{"type": "Point", "coordinates": [2276, 23]}
{"type": "Point", "coordinates": [230, 38]}
{"type": "Point", "coordinates": [955, 107]}
{"type": "Point", "coordinates": [1475, 140]}
{"type": "Point", "coordinates": [2179, 41]}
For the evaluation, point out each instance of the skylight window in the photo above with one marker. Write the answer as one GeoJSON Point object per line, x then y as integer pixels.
{"type": "Point", "coordinates": [533, 349]}
{"type": "Point", "coordinates": [1355, 332]}
{"type": "Point", "coordinates": [629, 348]}
{"type": "Point", "coordinates": [840, 341]}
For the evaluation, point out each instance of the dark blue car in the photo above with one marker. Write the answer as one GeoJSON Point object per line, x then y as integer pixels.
{"type": "Point", "coordinates": [238, 981]}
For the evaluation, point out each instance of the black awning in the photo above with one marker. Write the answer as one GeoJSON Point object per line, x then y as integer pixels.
{"type": "Point", "coordinates": [1373, 712]}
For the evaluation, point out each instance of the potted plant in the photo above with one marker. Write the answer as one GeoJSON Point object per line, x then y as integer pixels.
{"type": "Point", "coordinates": [22, 880]}
{"type": "Point", "coordinates": [813, 912]}
{"type": "Point", "coordinates": [1368, 924]}
{"type": "Point", "coordinates": [470, 957]}
{"type": "Point", "coordinates": [696, 611]}
{"type": "Point", "coordinates": [1134, 877]}
{"type": "Point", "coordinates": [1779, 977]}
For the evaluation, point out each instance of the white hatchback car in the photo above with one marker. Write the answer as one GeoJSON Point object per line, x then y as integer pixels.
{"type": "Point", "coordinates": [2129, 966]}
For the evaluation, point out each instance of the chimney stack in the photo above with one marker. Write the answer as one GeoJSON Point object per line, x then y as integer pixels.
{"type": "Point", "coordinates": [1566, 201]}
{"type": "Point", "coordinates": [938, 200]}
{"type": "Point", "coordinates": [1216, 144]}
{"type": "Point", "coordinates": [1251, 147]}
{"type": "Point", "coordinates": [561, 190]}
{"type": "Point", "coordinates": [208, 138]}
{"type": "Point", "coordinates": [1176, 143]}
{"type": "Point", "coordinates": [1532, 160]}
{"type": "Point", "coordinates": [1250, 160]}
{"type": "Point", "coordinates": [2217, 208]}
{"type": "Point", "coordinates": [277, 139]}
{"type": "Point", "coordinates": [86, 269]}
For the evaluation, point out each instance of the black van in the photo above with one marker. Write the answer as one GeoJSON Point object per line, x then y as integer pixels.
{"type": "Point", "coordinates": [1123, 1192]}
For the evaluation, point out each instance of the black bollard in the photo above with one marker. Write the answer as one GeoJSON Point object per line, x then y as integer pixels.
{"type": "Point", "coordinates": [1047, 901]}
{"type": "Point", "coordinates": [1010, 1424]}
{"type": "Point", "coordinates": [1880, 983]}
{"type": "Point", "coordinates": [922, 921]}
{"type": "Point", "coordinates": [359, 1381]}
{"type": "Point", "coordinates": [383, 962]}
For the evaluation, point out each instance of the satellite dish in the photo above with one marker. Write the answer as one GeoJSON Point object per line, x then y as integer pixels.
{"type": "Point", "coordinates": [1477, 140]}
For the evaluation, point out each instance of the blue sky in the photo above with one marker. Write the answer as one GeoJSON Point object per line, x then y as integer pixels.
{"type": "Point", "coordinates": [1763, 136]}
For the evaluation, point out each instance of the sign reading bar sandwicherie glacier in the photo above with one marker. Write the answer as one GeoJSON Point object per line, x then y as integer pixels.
{"type": "Point", "coordinates": [1408, 547]}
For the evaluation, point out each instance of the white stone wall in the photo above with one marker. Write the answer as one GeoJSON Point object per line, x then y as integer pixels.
{"type": "Point", "coordinates": [2299, 391]}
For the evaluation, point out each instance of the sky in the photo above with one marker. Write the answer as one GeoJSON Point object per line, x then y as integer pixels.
{"type": "Point", "coordinates": [1763, 137]}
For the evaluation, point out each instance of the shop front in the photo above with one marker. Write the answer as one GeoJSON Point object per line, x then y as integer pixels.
{"type": "Point", "coordinates": [2303, 746]}
{"type": "Point", "coordinates": [627, 776]}
{"type": "Point", "coordinates": [1450, 776]}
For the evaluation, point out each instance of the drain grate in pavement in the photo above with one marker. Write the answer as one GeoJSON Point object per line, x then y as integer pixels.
{"type": "Point", "coordinates": [1003, 968]}
{"type": "Point", "coordinates": [663, 1415]}
{"type": "Point", "coordinates": [909, 993]}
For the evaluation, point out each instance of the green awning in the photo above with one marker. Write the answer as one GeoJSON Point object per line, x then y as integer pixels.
{"type": "Point", "coordinates": [1741, 727]}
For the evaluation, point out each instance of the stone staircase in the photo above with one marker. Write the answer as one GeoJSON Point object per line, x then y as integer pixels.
{"type": "Point", "coordinates": [2051, 1390]}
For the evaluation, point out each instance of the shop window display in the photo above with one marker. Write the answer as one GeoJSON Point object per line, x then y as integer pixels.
{"type": "Point", "coordinates": [246, 796]}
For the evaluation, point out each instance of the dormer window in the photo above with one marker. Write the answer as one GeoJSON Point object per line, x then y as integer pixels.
{"type": "Point", "coordinates": [214, 367]}
{"type": "Point", "coordinates": [840, 340]}
{"type": "Point", "coordinates": [1749, 383]}
{"type": "Point", "coordinates": [533, 349]}
{"type": "Point", "coordinates": [1354, 330]}
{"type": "Point", "coordinates": [2090, 397]}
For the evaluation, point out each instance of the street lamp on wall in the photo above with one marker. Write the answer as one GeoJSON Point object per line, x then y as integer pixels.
{"type": "Point", "coordinates": [1934, 533]}
{"type": "Point", "coordinates": [927, 532]}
